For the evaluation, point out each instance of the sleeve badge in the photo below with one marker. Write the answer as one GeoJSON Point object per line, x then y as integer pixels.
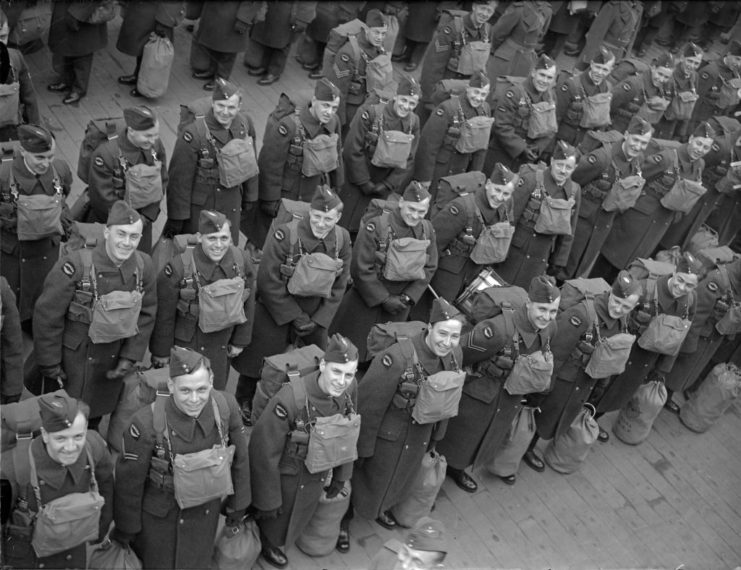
{"type": "Point", "coordinates": [509, 94]}
{"type": "Point", "coordinates": [344, 57]}
{"type": "Point", "coordinates": [68, 269]}
{"type": "Point", "coordinates": [168, 270]}
{"type": "Point", "coordinates": [371, 227]}
{"type": "Point", "coordinates": [627, 87]}
{"type": "Point", "coordinates": [187, 137]}
{"type": "Point", "coordinates": [716, 147]}
{"type": "Point", "coordinates": [454, 210]}
{"type": "Point", "coordinates": [279, 235]}
{"type": "Point", "coordinates": [281, 412]}
{"type": "Point", "coordinates": [99, 161]}
{"type": "Point", "coordinates": [488, 333]}
{"type": "Point", "coordinates": [713, 286]}
{"type": "Point", "coordinates": [439, 112]}
{"type": "Point", "coordinates": [387, 361]}
{"type": "Point", "coordinates": [564, 88]}
{"type": "Point", "coordinates": [283, 130]}
{"type": "Point", "coordinates": [591, 159]}
{"type": "Point", "coordinates": [657, 158]}
{"type": "Point", "coordinates": [134, 431]}
{"type": "Point", "coordinates": [575, 321]}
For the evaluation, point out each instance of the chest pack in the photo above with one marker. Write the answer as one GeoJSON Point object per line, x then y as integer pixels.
{"type": "Point", "coordinates": [469, 54]}
{"type": "Point", "coordinates": [141, 183]}
{"type": "Point", "coordinates": [392, 148]}
{"type": "Point", "coordinates": [401, 259]}
{"type": "Point", "coordinates": [318, 156]}
{"type": "Point", "coordinates": [551, 216]}
{"type": "Point", "coordinates": [236, 161]}
{"type": "Point", "coordinates": [530, 373]}
{"type": "Point", "coordinates": [665, 333]}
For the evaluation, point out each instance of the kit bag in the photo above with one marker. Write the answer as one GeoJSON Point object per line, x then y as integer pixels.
{"type": "Point", "coordinates": [636, 418]}
{"type": "Point", "coordinates": [507, 459]}
{"type": "Point", "coordinates": [716, 394]}
{"type": "Point", "coordinates": [566, 453]}
{"type": "Point", "coordinates": [237, 547]}
{"type": "Point", "coordinates": [154, 73]}
{"type": "Point", "coordinates": [383, 335]}
{"type": "Point", "coordinates": [423, 492]}
{"type": "Point", "coordinates": [320, 534]}
{"type": "Point", "coordinates": [110, 555]}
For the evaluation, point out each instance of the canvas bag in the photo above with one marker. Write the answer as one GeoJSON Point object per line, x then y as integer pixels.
{"type": "Point", "coordinates": [716, 394]}
{"type": "Point", "coordinates": [319, 537]}
{"type": "Point", "coordinates": [379, 73]}
{"type": "Point", "coordinates": [438, 396]}
{"type": "Point", "coordinates": [154, 72]}
{"type": "Point", "coordinates": [665, 333]}
{"type": "Point", "coordinates": [507, 459]}
{"type": "Point", "coordinates": [39, 215]}
{"type": "Point", "coordinates": [320, 155]}
{"type": "Point", "coordinates": [542, 121]}
{"type": "Point", "coordinates": [595, 110]}
{"type": "Point", "coordinates": [110, 555]}
{"type": "Point", "coordinates": [474, 134]}
{"type": "Point", "coordinates": [221, 304]}
{"type": "Point", "coordinates": [237, 547]}
{"type": "Point", "coordinates": [636, 418]}
{"type": "Point", "coordinates": [554, 217]}
{"type": "Point", "coordinates": [685, 193]}
{"type": "Point", "coordinates": [731, 322]}
{"type": "Point", "coordinates": [423, 492]}
{"type": "Point", "coordinates": [314, 274]}
{"type": "Point", "coordinates": [491, 301]}
{"type": "Point", "coordinates": [405, 259]}
{"type": "Point", "coordinates": [393, 147]}
{"type": "Point", "coordinates": [473, 54]}
{"type": "Point", "coordinates": [566, 454]}
{"type": "Point", "coordinates": [610, 355]}
{"type": "Point", "coordinates": [237, 162]}
{"type": "Point", "coordinates": [623, 193]}
{"type": "Point", "coordinates": [682, 105]}
{"type": "Point", "coordinates": [115, 316]}
{"type": "Point", "coordinates": [9, 101]}
{"type": "Point", "coordinates": [493, 243]}
{"type": "Point", "coordinates": [144, 183]}
{"type": "Point", "coordinates": [531, 373]}
{"type": "Point", "coordinates": [653, 108]}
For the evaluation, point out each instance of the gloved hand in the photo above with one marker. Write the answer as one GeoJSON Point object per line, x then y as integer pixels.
{"type": "Point", "coordinates": [72, 22]}
{"type": "Point", "coordinates": [172, 228]}
{"type": "Point", "coordinates": [654, 376]}
{"type": "Point", "coordinates": [270, 207]}
{"type": "Point", "coordinates": [160, 361]}
{"type": "Point", "coordinates": [298, 27]}
{"type": "Point", "coordinates": [161, 30]}
{"type": "Point", "coordinates": [530, 154]}
{"type": "Point", "coordinates": [271, 514]}
{"type": "Point", "coordinates": [241, 27]}
{"type": "Point", "coordinates": [233, 351]}
{"type": "Point", "coordinates": [394, 305]}
{"type": "Point", "coordinates": [641, 319]}
{"type": "Point", "coordinates": [123, 538]}
{"type": "Point", "coordinates": [380, 189]}
{"type": "Point", "coordinates": [367, 188]}
{"type": "Point", "coordinates": [720, 309]}
{"type": "Point", "coordinates": [585, 347]}
{"type": "Point", "coordinates": [504, 362]}
{"type": "Point", "coordinates": [233, 518]}
{"type": "Point", "coordinates": [334, 488]}
{"type": "Point", "coordinates": [303, 325]}
{"type": "Point", "coordinates": [123, 367]}
{"type": "Point", "coordinates": [53, 372]}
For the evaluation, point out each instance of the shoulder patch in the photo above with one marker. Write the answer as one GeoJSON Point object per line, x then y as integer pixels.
{"type": "Point", "coordinates": [627, 87]}
{"type": "Point", "coordinates": [134, 431]}
{"type": "Point", "coordinates": [705, 75]}
{"type": "Point", "coordinates": [488, 333]}
{"type": "Point", "coordinates": [564, 88]}
{"type": "Point", "coordinates": [446, 30]}
{"type": "Point", "coordinates": [439, 112]}
{"type": "Point", "coordinates": [99, 161]}
{"type": "Point", "coordinates": [387, 360]}
{"type": "Point", "coordinates": [576, 321]}
{"type": "Point", "coordinates": [509, 94]}
{"type": "Point", "coordinates": [371, 227]}
{"type": "Point", "coordinates": [454, 210]}
{"type": "Point", "coordinates": [344, 57]}
{"type": "Point", "coordinates": [281, 412]}
{"type": "Point", "coordinates": [187, 137]}
{"type": "Point", "coordinates": [279, 235]}
{"type": "Point", "coordinates": [168, 270]}
{"type": "Point", "coordinates": [712, 286]}
{"type": "Point", "coordinates": [68, 269]}
{"type": "Point", "coordinates": [591, 159]}
{"type": "Point", "coordinates": [521, 182]}
{"type": "Point", "coordinates": [657, 158]}
{"type": "Point", "coordinates": [716, 147]}
{"type": "Point", "coordinates": [283, 130]}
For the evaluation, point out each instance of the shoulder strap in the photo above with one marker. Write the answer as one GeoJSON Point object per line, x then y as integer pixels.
{"type": "Point", "coordinates": [339, 241]}
{"type": "Point", "coordinates": [410, 356]}
{"type": "Point", "coordinates": [292, 239]}
{"type": "Point", "coordinates": [300, 396]}
{"type": "Point", "coordinates": [86, 257]}
{"type": "Point", "coordinates": [158, 417]}
{"type": "Point", "coordinates": [221, 415]}
{"type": "Point", "coordinates": [357, 53]}
{"type": "Point", "coordinates": [139, 271]}
{"type": "Point", "coordinates": [189, 268]}
{"type": "Point", "coordinates": [238, 260]}
{"type": "Point", "coordinates": [300, 131]}
{"type": "Point", "coordinates": [540, 181]}
{"type": "Point", "coordinates": [509, 327]}
{"type": "Point", "coordinates": [652, 293]}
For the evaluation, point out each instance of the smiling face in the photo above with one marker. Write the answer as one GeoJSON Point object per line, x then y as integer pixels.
{"type": "Point", "coordinates": [697, 147]}
{"type": "Point", "coordinates": [65, 446]}
{"type": "Point", "coordinates": [413, 212]}
{"type": "Point", "coordinates": [216, 244]}
{"type": "Point", "coordinates": [691, 63]}
{"type": "Point", "coordinates": [442, 337]}
{"type": "Point", "coordinates": [481, 13]}
{"type": "Point", "coordinates": [144, 139]}
{"type": "Point", "coordinates": [323, 111]}
{"type": "Point", "coordinates": [375, 36]}
{"type": "Point", "coordinates": [599, 71]}
{"type": "Point", "coordinates": [39, 162]}
{"type": "Point", "coordinates": [477, 95]}
{"type": "Point", "coordinates": [543, 79]}
{"type": "Point", "coordinates": [190, 392]}
{"type": "Point", "coordinates": [498, 194]}
{"type": "Point", "coordinates": [660, 75]}
{"type": "Point", "coordinates": [121, 241]}
{"type": "Point", "coordinates": [405, 104]}
{"type": "Point", "coordinates": [634, 145]}
{"type": "Point", "coordinates": [226, 109]}
{"type": "Point", "coordinates": [336, 377]}
{"type": "Point", "coordinates": [541, 315]}
{"type": "Point", "coordinates": [323, 222]}
{"type": "Point", "coordinates": [618, 307]}
{"type": "Point", "coordinates": [680, 284]}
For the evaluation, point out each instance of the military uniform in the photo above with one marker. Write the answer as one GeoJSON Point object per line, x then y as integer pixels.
{"type": "Point", "coordinates": [281, 157]}
{"type": "Point", "coordinates": [391, 442]}
{"type": "Point", "coordinates": [276, 308]}
{"type": "Point", "coordinates": [511, 121]}
{"type": "Point", "coordinates": [107, 180]}
{"type": "Point", "coordinates": [11, 347]}
{"type": "Point", "coordinates": [671, 127]}
{"type": "Point", "coordinates": [167, 536]}
{"type": "Point", "coordinates": [362, 306]}
{"type": "Point", "coordinates": [360, 145]}
{"type": "Point", "coordinates": [629, 95]}
{"type": "Point", "coordinates": [486, 410]}
{"type": "Point", "coordinates": [140, 19]}
{"type": "Point", "coordinates": [175, 326]}
{"type": "Point", "coordinates": [615, 28]}
{"type": "Point", "coordinates": [194, 174]}
{"type": "Point", "coordinates": [531, 253]}
{"type": "Point", "coordinates": [717, 97]}
{"type": "Point", "coordinates": [642, 362]}
{"type": "Point", "coordinates": [638, 231]}
{"type": "Point", "coordinates": [61, 327]}
{"type": "Point", "coordinates": [280, 479]}
{"type": "Point", "coordinates": [596, 173]}
{"type": "Point", "coordinates": [515, 36]}
{"type": "Point", "coordinates": [570, 106]}
{"type": "Point", "coordinates": [28, 110]}
{"type": "Point", "coordinates": [25, 263]}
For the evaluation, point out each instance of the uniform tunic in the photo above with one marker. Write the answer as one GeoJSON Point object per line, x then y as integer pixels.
{"type": "Point", "coordinates": [712, 79]}
{"type": "Point", "coordinates": [515, 36]}
{"type": "Point", "coordinates": [276, 308]}
{"type": "Point", "coordinates": [216, 25]}
{"type": "Point", "coordinates": [280, 479]}
{"type": "Point", "coordinates": [511, 122]}
{"type": "Point", "coordinates": [391, 443]}
{"type": "Point", "coordinates": [362, 307]}
{"type": "Point", "coordinates": [670, 127]}
{"type": "Point", "coordinates": [360, 145]}
{"type": "Point", "coordinates": [57, 480]}
{"type": "Point", "coordinates": [570, 106]}
{"type": "Point", "coordinates": [486, 410]}
{"type": "Point", "coordinates": [167, 536]}
{"type": "Point", "coordinates": [638, 231]}
{"type": "Point", "coordinates": [642, 362]}
{"type": "Point", "coordinates": [87, 39]}
{"type": "Point", "coordinates": [571, 385]}
{"type": "Point", "coordinates": [140, 19]}
{"type": "Point", "coordinates": [436, 154]}
{"type": "Point", "coordinates": [28, 110]}
{"type": "Point", "coordinates": [531, 253]}
{"type": "Point", "coordinates": [281, 157]}
{"type": "Point", "coordinates": [107, 180]}
{"type": "Point", "coordinates": [26, 263]}
{"type": "Point", "coordinates": [596, 173]}
{"type": "Point", "coordinates": [179, 326]}
{"type": "Point", "coordinates": [615, 28]}
{"type": "Point", "coordinates": [195, 186]}
{"type": "Point", "coordinates": [11, 345]}
{"type": "Point", "coordinates": [61, 330]}
{"type": "Point", "coordinates": [629, 95]}
{"type": "Point", "coordinates": [455, 268]}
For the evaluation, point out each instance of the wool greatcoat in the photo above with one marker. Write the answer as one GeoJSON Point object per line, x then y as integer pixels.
{"type": "Point", "coordinates": [176, 326]}
{"type": "Point", "coordinates": [486, 410]}
{"type": "Point", "coordinates": [713, 77]}
{"type": "Point", "coordinates": [629, 95]}
{"type": "Point", "coordinates": [638, 231]}
{"type": "Point", "coordinates": [87, 39]}
{"type": "Point", "coordinates": [216, 26]}
{"type": "Point", "coordinates": [704, 339]}
{"type": "Point", "coordinates": [531, 253]}
{"type": "Point", "coordinates": [392, 444]}
{"type": "Point", "coordinates": [195, 186]}
{"type": "Point", "coordinates": [360, 145]}
{"type": "Point", "coordinates": [280, 479]}
{"type": "Point", "coordinates": [361, 307]}
{"type": "Point", "coordinates": [570, 106]}
{"type": "Point", "coordinates": [166, 536]}
{"type": "Point", "coordinates": [615, 27]}
{"type": "Point", "coordinates": [141, 17]}
{"type": "Point", "coordinates": [25, 264]}
{"type": "Point", "coordinates": [61, 328]}
{"type": "Point", "coordinates": [571, 385]}
{"type": "Point", "coordinates": [11, 346]}
{"type": "Point", "coordinates": [641, 362]}
{"type": "Point", "coordinates": [596, 173]}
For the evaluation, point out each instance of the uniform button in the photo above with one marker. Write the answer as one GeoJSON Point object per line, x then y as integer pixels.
{"type": "Point", "coordinates": [68, 557]}
{"type": "Point", "coordinates": [24, 261]}
{"type": "Point", "coordinates": [181, 521]}
{"type": "Point", "coordinates": [43, 257]}
{"type": "Point", "coordinates": [42, 565]}
{"type": "Point", "coordinates": [208, 511]}
{"type": "Point", "coordinates": [301, 487]}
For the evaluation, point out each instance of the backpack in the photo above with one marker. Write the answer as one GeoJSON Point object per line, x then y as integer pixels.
{"type": "Point", "coordinates": [647, 268]}
{"type": "Point", "coordinates": [284, 108]}
{"type": "Point", "coordinates": [626, 68]}
{"type": "Point", "coordinates": [280, 369]}
{"type": "Point", "coordinates": [447, 88]}
{"type": "Point", "coordinates": [189, 264]}
{"type": "Point", "coordinates": [595, 139]}
{"type": "Point", "coordinates": [288, 211]}
{"type": "Point", "coordinates": [503, 84]}
{"type": "Point", "coordinates": [492, 301]}
{"type": "Point", "coordinates": [450, 187]}
{"type": "Point", "coordinates": [383, 335]}
{"type": "Point", "coordinates": [83, 236]}
{"type": "Point", "coordinates": [97, 132]}
{"type": "Point", "coordinates": [338, 37]}
{"type": "Point", "coordinates": [574, 291]}
{"type": "Point", "coordinates": [378, 206]}
{"type": "Point", "coordinates": [193, 111]}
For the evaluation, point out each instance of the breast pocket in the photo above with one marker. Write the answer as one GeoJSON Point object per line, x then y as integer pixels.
{"type": "Point", "coordinates": [392, 425]}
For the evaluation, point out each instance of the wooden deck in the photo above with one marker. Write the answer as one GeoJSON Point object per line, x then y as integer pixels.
{"type": "Point", "coordinates": [672, 502]}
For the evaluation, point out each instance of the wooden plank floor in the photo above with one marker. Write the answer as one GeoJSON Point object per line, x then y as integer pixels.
{"type": "Point", "coordinates": [672, 502]}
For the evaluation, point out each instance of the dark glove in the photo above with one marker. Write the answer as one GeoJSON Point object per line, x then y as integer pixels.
{"type": "Point", "coordinates": [241, 27]}
{"type": "Point", "coordinates": [504, 362]}
{"type": "Point", "coordinates": [172, 228]}
{"type": "Point", "coordinates": [720, 309]}
{"type": "Point", "coordinates": [380, 189]}
{"type": "Point", "coordinates": [12, 399]}
{"type": "Point", "coordinates": [123, 367]}
{"type": "Point", "coordinates": [303, 325]}
{"type": "Point", "coordinates": [585, 347]}
{"type": "Point", "coordinates": [271, 514]}
{"type": "Point", "coordinates": [655, 376]}
{"type": "Point", "coordinates": [235, 517]}
{"type": "Point", "coordinates": [641, 319]}
{"type": "Point", "coordinates": [123, 538]}
{"type": "Point", "coordinates": [298, 27]}
{"type": "Point", "coordinates": [334, 488]}
{"type": "Point", "coordinates": [72, 22]}
{"type": "Point", "coordinates": [161, 30]}
{"type": "Point", "coordinates": [270, 207]}
{"type": "Point", "coordinates": [53, 372]}
{"type": "Point", "coordinates": [530, 154]}
{"type": "Point", "coordinates": [394, 305]}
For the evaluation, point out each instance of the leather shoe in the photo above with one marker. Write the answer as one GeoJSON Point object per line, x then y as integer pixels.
{"type": "Point", "coordinates": [127, 79]}
{"type": "Point", "coordinates": [411, 66]}
{"type": "Point", "coordinates": [463, 480]}
{"type": "Point", "coordinates": [533, 461]}
{"type": "Point", "coordinates": [316, 74]}
{"type": "Point", "coordinates": [256, 71]}
{"type": "Point", "coordinates": [603, 436]}
{"type": "Point", "coordinates": [209, 86]}
{"type": "Point", "coordinates": [274, 556]}
{"type": "Point", "coordinates": [203, 75]}
{"type": "Point", "coordinates": [672, 406]}
{"type": "Point", "coordinates": [510, 479]}
{"type": "Point", "coordinates": [310, 66]}
{"type": "Point", "coordinates": [343, 541]}
{"type": "Point", "coordinates": [58, 87]}
{"type": "Point", "coordinates": [269, 79]}
{"type": "Point", "coordinates": [73, 97]}
{"type": "Point", "coordinates": [387, 520]}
